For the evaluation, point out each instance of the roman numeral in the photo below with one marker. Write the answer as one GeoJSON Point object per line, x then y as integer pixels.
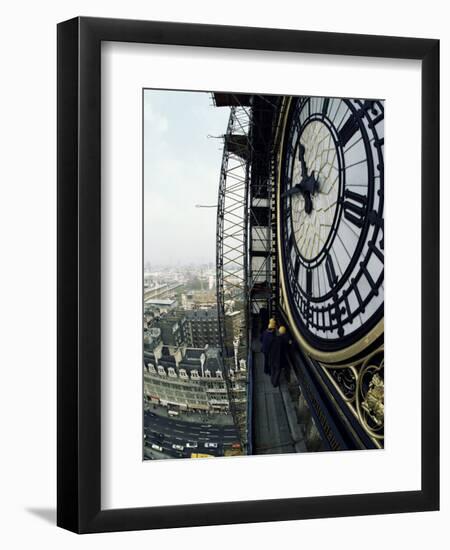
{"type": "Point", "coordinates": [290, 241]}
{"type": "Point", "coordinates": [296, 267]}
{"type": "Point", "coordinates": [348, 310]}
{"type": "Point", "coordinates": [336, 315]}
{"type": "Point", "coordinates": [349, 129]}
{"type": "Point", "coordinates": [369, 105]}
{"type": "Point", "coordinates": [369, 278]}
{"type": "Point", "coordinates": [374, 248]}
{"type": "Point", "coordinates": [309, 282]}
{"type": "Point", "coordinates": [331, 273]}
{"type": "Point", "coordinates": [355, 207]}
{"type": "Point", "coordinates": [375, 219]}
{"type": "Point", "coordinates": [358, 295]}
{"type": "Point", "coordinates": [326, 103]}
{"type": "Point", "coordinates": [308, 314]}
{"type": "Point", "coordinates": [372, 108]}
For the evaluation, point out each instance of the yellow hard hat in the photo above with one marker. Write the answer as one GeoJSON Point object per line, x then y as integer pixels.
{"type": "Point", "coordinates": [272, 323]}
{"type": "Point", "coordinates": [282, 330]}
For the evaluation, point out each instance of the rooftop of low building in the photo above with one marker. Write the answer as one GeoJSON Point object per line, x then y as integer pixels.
{"type": "Point", "coordinates": [202, 314]}
{"type": "Point", "coordinates": [160, 301]}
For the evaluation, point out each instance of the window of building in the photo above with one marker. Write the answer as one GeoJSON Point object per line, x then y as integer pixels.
{"type": "Point", "coordinates": [151, 368]}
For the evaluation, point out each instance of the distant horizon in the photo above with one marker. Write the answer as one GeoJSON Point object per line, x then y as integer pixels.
{"type": "Point", "coordinates": [154, 265]}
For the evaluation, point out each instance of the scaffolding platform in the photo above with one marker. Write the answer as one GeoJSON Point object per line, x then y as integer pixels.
{"type": "Point", "coordinates": [274, 428]}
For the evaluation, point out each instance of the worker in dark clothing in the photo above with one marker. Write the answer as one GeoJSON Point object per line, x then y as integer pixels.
{"type": "Point", "coordinates": [263, 319]}
{"type": "Point", "coordinates": [278, 356]}
{"type": "Point", "coordinates": [267, 339]}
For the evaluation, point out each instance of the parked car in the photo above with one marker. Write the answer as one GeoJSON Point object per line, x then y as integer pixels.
{"type": "Point", "coordinates": [210, 445]}
{"type": "Point", "coordinates": [190, 445]}
{"type": "Point", "coordinates": [173, 413]}
{"type": "Point", "coordinates": [157, 447]}
{"type": "Point", "coordinates": [177, 447]}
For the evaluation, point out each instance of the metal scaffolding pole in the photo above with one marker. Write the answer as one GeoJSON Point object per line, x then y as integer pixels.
{"type": "Point", "coordinates": [231, 260]}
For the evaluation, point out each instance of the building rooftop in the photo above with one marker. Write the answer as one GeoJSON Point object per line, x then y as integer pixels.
{"type": "Point", "coordinates": [202, 314]}
{"type": "Point", "coordinates": [192, 365]}
{"type": "Point", "coordinates": [213, 364]}
{"type": "Point", "coordinates": [149, 357]}
{"type": "Point", "coordinates": [232, 313]}
{"type": "Point", "coordinates": [190, 361]}
{"type": "Point", "coordinates": [160, 301]}
{"type": "Point", "coordinates": [211, 351]}
{"type": "Point", "coordinates": [193, 353]}
{"type": "Point", "coordinates": [167, 361]}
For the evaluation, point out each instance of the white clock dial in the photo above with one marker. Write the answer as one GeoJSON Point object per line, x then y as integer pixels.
{"type": "Point", "coordinates": [332, 196]}
{"type": "Point", "coordinates": [312, 230]}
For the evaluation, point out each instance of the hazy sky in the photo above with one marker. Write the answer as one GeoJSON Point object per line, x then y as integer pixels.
{"type": "Point", "coordinates": [181, 169]}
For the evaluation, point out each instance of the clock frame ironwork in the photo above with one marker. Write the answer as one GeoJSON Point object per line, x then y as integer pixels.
{"type": "Point", "coordinates": [343, 302]}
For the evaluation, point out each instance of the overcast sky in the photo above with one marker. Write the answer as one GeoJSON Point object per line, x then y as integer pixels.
{"type": "Point", "coordinates": [181, 169]}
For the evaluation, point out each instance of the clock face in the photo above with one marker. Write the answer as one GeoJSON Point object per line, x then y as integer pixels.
{"type": "Point", "coordinates": [331, 214]}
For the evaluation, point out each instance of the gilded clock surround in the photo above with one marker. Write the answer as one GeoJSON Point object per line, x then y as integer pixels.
{"type": "Point", "coordinates": [367, 401]}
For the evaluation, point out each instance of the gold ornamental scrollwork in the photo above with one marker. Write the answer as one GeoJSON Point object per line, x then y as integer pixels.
{"type": "Point", "coordinates": [370, 396]}
{"type": "Point", "coordinates": [361, 386]}
{"type": "Point", "coordinates": [360, 383]}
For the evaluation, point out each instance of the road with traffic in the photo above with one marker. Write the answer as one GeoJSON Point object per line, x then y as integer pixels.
{"type": "Point", "coordinates": [193, 437]}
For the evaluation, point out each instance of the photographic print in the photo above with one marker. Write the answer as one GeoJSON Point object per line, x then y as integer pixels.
{"type": "Point", "coordinates": [263, 280]}
{"type": "Point", "coordinates": [221, 274]}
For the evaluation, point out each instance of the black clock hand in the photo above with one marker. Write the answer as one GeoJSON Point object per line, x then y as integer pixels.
{"type": "Point", "coordinates": [301, 158]}
{"type": "Point", "coordinates": [308, 202]}
{"type": "Point", "coordinates": [293, 190]}
{"type": "Point", "coordinates": [308, 184]}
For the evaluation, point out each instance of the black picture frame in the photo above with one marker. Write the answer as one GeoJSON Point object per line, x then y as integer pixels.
{"type": "Point", "coordinates": [79, 281]}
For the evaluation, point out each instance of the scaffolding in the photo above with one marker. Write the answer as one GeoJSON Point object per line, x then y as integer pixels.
{"type": "Point", "coordinates": [231, 258]}
{"type": "Point", "coordinates": [262, 275]}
